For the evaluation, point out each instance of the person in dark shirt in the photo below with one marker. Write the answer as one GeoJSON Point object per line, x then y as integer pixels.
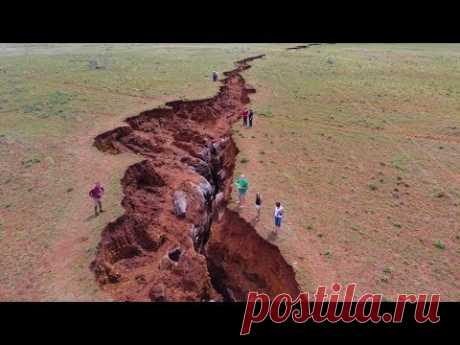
{"type": "Point", "coordinates": [258, 206]}
{"type": "Point", "coordinates": [250, 118]}
{"type": "Point", "coordinates": [96, 195]}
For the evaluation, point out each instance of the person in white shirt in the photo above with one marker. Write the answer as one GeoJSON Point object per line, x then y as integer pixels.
{"type": "Point", "coordinates": [278, 214]}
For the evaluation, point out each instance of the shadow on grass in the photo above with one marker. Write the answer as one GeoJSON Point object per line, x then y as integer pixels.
{"type": "Point", "coordinates": [90, 218]}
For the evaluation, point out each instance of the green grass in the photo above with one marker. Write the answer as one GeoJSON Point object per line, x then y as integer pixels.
{"type": "Point", "coordinates": [372, 186]}
{"type": "Point", "coordinates": [367, 104]}
{"type": "Point", "coordinates": [398, 163]}
{"type": "Point", "coordinates": [353, 118]}
{"type": "Point", "coordinates": [438, 244]}
{"type": "Point", "coordinates": [52, 103]}
{"type": "Point", "coordinates": [29, 162]}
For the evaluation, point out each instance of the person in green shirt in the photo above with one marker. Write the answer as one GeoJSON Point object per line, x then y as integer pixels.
{"type": "Point", "coordinates": [242, 185]}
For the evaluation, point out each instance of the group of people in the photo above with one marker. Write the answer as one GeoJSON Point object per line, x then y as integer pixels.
{"type": "Point", "coordinates": [242, 183]}
{"type": "Point", "coordinates": [248, 117]}
{"type": "Point", "coordinates": [247, 114]}
{"type": "Point", "coordinates": [243, 186]}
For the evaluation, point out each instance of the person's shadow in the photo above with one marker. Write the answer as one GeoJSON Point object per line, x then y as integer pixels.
{"type": "Point", "coordinates": [90, 218]}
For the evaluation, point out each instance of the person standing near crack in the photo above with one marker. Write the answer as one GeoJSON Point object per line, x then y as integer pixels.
{"type": "Point", "coordinates": [243, 186]}
{"type": "Point", "coordinates": [278, 214]}
{"type": "Point", "coordinates": [96, 195]}
{"type": "Point", "coordinates": [215, 76]}
{"type": "Point", "coordinates": [250, 117]}
{"type": "Point", "coordinates": [245, 115]}
{"type": "Point", "coordinates": [258, 206]}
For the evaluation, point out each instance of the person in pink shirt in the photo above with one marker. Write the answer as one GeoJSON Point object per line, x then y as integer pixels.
{"type": "Point", "coordinates": [245, 115]}
{"type": "Point", "coordinates": [96, 195]}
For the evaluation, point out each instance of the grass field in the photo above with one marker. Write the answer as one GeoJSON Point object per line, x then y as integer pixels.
{"type": "Point", "coordinates": [359, 142]}
{"type": "Point", "coordinates": [53, 102]}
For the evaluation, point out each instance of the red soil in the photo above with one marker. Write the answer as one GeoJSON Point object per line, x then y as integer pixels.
{"type": "Point", "coordinates": [177, 241]}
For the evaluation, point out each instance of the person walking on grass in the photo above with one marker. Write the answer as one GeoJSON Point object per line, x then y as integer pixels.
{"type": "Point", "coordinates": [278, 214]}
{"type": "Point", "coordinates": [215, 76]}
{"type": "Point", "coordinates": [250, 118]}
{"type": "Point", "coordinates": [258, 206]}
{"type": "Point", "coordinates": [242, 185]}
{"type": "Point", "coordinates": [96, 194]}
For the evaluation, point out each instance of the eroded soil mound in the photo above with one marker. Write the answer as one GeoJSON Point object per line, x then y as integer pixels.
{"type": "Point", "coordinates": [176, 240]}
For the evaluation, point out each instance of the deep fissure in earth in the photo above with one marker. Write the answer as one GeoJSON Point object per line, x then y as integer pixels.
{"type": "Point", "coordinates": [177, 240]}
{"type": "Point", "coordinates": [304, 46]}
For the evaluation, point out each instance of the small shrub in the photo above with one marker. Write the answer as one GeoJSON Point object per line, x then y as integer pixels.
{"type": "Point", "coordinates": [438, 244]}
{"type": "Point", "coordinates": [398, 164]}
{"type": "Point", "coordinates": [94, 65]}
{"type": "Point", "coordinates": [387, 270]}
{"type": "Point", "coordinates": [440, 194]}
{"type": "Point", "coordinates": [267, 113]}
{"type": "Point", "coordinates": [28, 163]}
{"type": "Point", "coordinates": [372, 186]}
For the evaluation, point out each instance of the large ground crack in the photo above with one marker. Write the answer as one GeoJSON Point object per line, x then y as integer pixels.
{"type": "Point", "coordinates": [177, 241]}
{"type": "Point", "coordinates": [305, 46]}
